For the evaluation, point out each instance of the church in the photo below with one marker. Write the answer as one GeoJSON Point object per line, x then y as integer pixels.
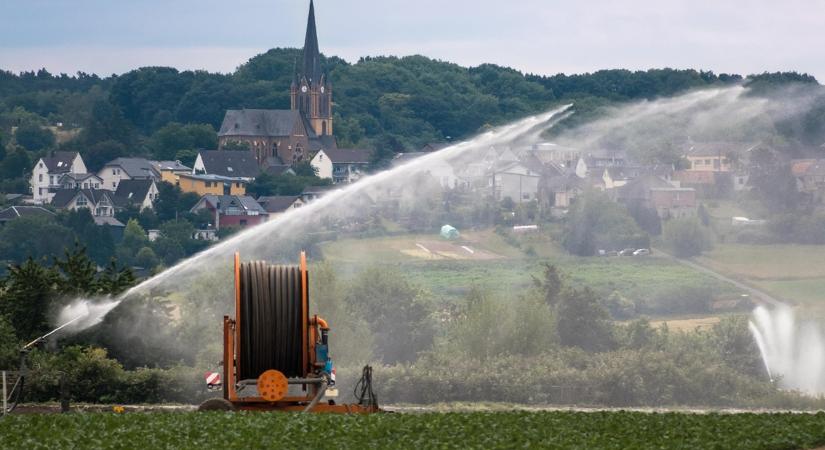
{"type": "Point", "coordinates": [283, 137]}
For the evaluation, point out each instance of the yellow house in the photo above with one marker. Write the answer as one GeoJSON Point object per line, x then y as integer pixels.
{"type": "Point", "coordinates": [170, 170]}
{"type": "Point", "coordinates": [211, 184]}
{"type": "Point", "coordinates": [711, 157]}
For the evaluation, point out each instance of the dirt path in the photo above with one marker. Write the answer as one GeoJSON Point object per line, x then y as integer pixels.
{"type": "Point", "coordinates": [757, 295]}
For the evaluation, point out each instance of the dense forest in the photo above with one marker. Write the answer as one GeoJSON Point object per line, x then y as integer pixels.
{"type": "Point", "coordinates": [388, 104]}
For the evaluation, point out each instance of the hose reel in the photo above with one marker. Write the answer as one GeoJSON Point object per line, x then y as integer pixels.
{"type": "Point", "coordinates": [270, 322]}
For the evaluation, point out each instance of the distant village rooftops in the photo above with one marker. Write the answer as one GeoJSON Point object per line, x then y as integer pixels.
{"type": "Point", "coordinates": [170, 165]}
{"type": "Point", "coordinates": [132, 191]}
{"type": "Point", "coordinates": [227, 204]}
{"type": "Point", "coordinates": [59, 162]}
{"type": "Point", "coordinates": [227, 163]}
{"type": "Point", "coordinates": [135, 167]}
{"type": "Point", "coordinates": [63, 197]}
{"type": "Point", "coordinates": [277, 203]}
{"type": "Point", "coordinates": [349, 155]}
{"type": "Point", "coordinates": [260, 122]}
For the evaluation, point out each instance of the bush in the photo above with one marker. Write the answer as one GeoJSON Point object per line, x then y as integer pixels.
{"type": "Point", "coordinates": [686, 237]}
{"type": "Point", "coordinates": [682, 299]}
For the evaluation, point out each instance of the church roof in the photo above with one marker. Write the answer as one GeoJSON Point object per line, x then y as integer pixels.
{"type": "Point", "coordinates": [259, 122]}
{"type": "Point", "coordinates": [312, 56]}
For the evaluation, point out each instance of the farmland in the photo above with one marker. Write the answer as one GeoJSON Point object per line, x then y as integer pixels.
{"type": "Point", "coordinates": [507, 266]}
{"type": "Point", "coordinates": [794, 273]}
{"type": "Point", "coordinates": [547, 429]}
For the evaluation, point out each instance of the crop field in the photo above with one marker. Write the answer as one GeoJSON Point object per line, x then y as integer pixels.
{"type": "Point", "coordinates": [790, 272]}
{"type": "Point", "coordinates": [556, 429]}
{"type": "Point", "coordinates": [512, 270]}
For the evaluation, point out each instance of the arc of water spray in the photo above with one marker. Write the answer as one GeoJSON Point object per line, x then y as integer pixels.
{"type": "Point", "coordinates": [530, 126]}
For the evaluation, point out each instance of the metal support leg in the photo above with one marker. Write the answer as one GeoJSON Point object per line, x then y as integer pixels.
{"type": "Point", "coordinates": [5, 395]}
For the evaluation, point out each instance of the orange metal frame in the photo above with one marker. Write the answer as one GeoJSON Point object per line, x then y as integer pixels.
{"type": "Point", "coordinates": [231, 356]}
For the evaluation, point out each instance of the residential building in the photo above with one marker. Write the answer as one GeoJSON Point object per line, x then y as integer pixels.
{"type": "Point", "coordinates": [560, 190]}
{"type": "Point", "coordinates": [212, 184]}
{"type": "Point", "coordinates": [14, 212]}
{"type": "Point", "coordinates": [232, 210]}
{"type": "Point", "coordinates": [127, 169]}
{"type": "Point", "coordinates": [514, 180]}
{"type": "Point", "coordinates": [652, 191]}
{"type": "Point", "coordinates": [277, 205]}
{"type": "Point", "coordinates": [169, 170]}
{"type": "Point", "coordinates": [340, 164]}
{"type": "Point", "coordinates": [713, 156]}
{"type": "Point", "coordinates": [549, 152]}
{"type": "Point", "coordinates": [289, 136]}
{"type": "Point", "coordinates": [437, 168]}
{"type": "Point", "coordinates": [311, 193]}
{"type": "Point", "coordinates": [80, 181]}
{"type": "Point", "coordinates": [234, 164]}
{"type": "Point", "coordinates": [47, 173]}
{"type": "Point", "coordinates": [99, 202]}
{"type": "Point", "coordinates": [139, 193]}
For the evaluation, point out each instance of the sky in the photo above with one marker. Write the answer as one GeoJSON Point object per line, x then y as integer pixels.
{"type": "Point", "coordinates": [535, 36]}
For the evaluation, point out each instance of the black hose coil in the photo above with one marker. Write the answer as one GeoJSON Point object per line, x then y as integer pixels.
{"type": "Point", "coordinates": [271, 314]}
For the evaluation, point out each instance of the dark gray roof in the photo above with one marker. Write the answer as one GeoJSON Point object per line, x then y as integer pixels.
{"type": "Point", "coordinates": [640, 187]}
{"type": "Point", "coordinates": [135, 167]}
{"type": "Point", "coordinates": [59, 162]}
{"type": "Point", "coordinates": [277, 203]}
{"type": "Point", "coordinates": [62, 197]}
{"type": "Point", "coordinates": [108, 220]}
{"type": "Point", "coordinates": [169, 165]}
{"type": "Point", "coordinates": [260, 122]}
{"type": "Point", "coordinates": [131, 191]}
{"type": "Point", "coordinates": [230, 163]}
{"type": "Point", "coordinates": [348, 155]}
{"type": "Point", "coordinates": [224, 203]}
{"type": "Point", "coordinates": [322, 142]}
{"type": "Point", "coordinates": [14, 212]}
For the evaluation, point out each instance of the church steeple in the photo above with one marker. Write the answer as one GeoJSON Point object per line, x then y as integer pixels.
{"type": "Point", "coordinates": [312, 56]}
{"type": "Point", "coordinates": [311, 92]}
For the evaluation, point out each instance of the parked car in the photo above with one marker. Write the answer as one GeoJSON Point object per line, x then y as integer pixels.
{"type": "Point", "coordinates": [612, 253]}
{"type": "Point", "coordinates": [641, 252]}
{"type": "Point", "coordinates": [627, 252]}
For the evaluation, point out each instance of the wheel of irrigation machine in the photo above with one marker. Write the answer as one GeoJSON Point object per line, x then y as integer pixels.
{"type": "Point", "coordinates": [217, 404]}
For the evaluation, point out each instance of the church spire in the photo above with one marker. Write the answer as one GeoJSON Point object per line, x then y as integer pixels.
{"type": "Point", "coordinates": [312, 56]}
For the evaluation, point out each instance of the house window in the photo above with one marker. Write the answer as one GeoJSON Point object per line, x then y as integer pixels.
{"type": "Point", "coordinates": [82, 202]}
{"type": "Point", "coordinates": [40, 178]}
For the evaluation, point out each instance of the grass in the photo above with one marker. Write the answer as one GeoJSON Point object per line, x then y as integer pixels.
{"type": "Point", "coordinates": [556, 429]}
{"type": "Point", "coordinates": [795, 273]}
{"type": "Point", "coordinates": [510, 272]}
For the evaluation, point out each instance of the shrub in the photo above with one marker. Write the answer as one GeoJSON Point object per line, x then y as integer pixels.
{"type": "Point", "coordinates": [686, 237]}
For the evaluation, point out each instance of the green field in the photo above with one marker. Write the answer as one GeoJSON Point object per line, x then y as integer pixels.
{"type": "Point", "coordinates": [510, 272]}
{"type": "Point", "coordinates": [557, 429]}
{"type": "Point", "coordinates": [794, 273]}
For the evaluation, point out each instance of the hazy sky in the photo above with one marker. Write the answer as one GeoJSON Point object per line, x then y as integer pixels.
{"type": "Point", "coordinates": [547, 37]}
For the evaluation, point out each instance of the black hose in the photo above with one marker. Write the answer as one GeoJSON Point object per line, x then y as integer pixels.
{"type": "Point", "coordinates": [363, 389]}
{"type": "Point", "coordinates": [270, 320]}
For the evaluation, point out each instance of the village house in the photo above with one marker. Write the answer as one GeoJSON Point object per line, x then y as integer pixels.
{"type": "Point", "coordinates": [514, 180]}
{"type": "Point", "coordinates": [232, 210]}
{"type": "Point", "coordinates": [810, 178]}
{"type": "Point", "coordinates": [139, 193]}
{"type": "Point", "coordinates": [234, 164]}
{"type": "Point", "coordinates": [651, 191]}
{"type": "Point", "coordinates": [559, 191]}
{"type": "Point", "coordinates": [99, 202]}
{"type": "Point", "coordinates": [711, 156]}
{"type": "Point", "coordinates": [80, 181]}
{"type": "Point", "coordinates": [277, 205]}
{"type": "Point", "coordinates": [342, 165]}
{"type": "Point", "coordinates": [48, 171]}
{"type": "Point", "coordinates": [548, 152]}
{"type": "Point", "coordinates": [127, 169]}
{"type": "Point", "coordinates": [437, 168]}
{"type": "Point", "coordinates": [212, 184]}
{"type": "Point", "coordinates": [169, 170]}
{"type": "Point", "coordinates": [311, 193]}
